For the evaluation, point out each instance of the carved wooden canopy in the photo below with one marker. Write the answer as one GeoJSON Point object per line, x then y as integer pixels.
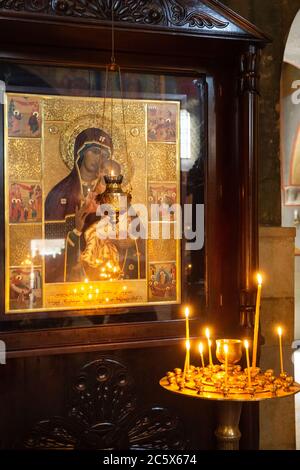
{"type": "Point", "coordinates": [206, 17]}
{"type": "Point", "coordinates": [171, 36]}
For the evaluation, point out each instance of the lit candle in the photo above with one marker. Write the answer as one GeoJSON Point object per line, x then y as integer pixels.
{"type": "Point", "coordinates": [201, 354]}
{"type": "Point", "coordinates": [280, 348]}
{"type": "Point", "coordinates": [207, 334]}
{"type": "Point", "coordinates": [256, 323]}
{"type": "Point", "coordinates": [187, 337]}
{"type": "Point", "coordinates": [112, 173]}
{"type": "Point", "coordinates": [226, 363]}
{"type": "Point", "coordinates": [187, 359]}
{"type": "Point", "coordinates": [246, 344]}
{"type": "Point", "coordinates": [187, 327]}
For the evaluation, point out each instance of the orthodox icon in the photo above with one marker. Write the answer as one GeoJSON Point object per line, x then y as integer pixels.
{"type": "Point", "coordinates": [25, 202]}
{"type": "Point", "coordinates": [54, 187]}
{"type": "Point", "coordinates": [162, 281]}
{"type": "Point", "coordinates": [162, 122]}
{"type": "Point", "coordinates": [24, 117]}
{"type": "Point", "coordinates": [164, 195]}
{"type": "Point", "coordinates": [70, 210]}
{"type": "Point", "coordinates": [25, 288]}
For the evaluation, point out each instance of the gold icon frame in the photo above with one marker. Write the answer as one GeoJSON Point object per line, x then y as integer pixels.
{"type": "Point", "coordinates": [61, 117]}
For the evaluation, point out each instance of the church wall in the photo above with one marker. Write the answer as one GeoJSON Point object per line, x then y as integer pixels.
{"type": "Point", "coordinates": [277, 417]}
{"type": "Point", "coordinates": [274, 17]}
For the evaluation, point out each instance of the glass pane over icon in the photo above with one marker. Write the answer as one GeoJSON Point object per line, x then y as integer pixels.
{"type": "Point", "coordinates": [63, 139]}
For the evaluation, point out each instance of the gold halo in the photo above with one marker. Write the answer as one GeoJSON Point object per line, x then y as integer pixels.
{"type": "Point", "coordinates": [71, 131]}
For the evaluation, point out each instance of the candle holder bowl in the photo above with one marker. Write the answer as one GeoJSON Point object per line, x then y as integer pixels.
{"type": "Point", "coordinates": [234, 350]}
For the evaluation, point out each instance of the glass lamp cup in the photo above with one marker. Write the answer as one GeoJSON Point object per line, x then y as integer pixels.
{"type": "Point", "coordinates": [234, 350]}
{"type": "Point", "coordinates": [113, 195]}
{"type": "Point", "coordinates": [113, 191]}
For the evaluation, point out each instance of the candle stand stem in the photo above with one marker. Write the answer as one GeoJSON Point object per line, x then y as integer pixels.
{"type": "Point", "coordinates": [227, 433]}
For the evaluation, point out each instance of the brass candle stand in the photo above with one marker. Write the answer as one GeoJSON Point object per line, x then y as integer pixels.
{"type": "Point", "coordinates": [229, 389]}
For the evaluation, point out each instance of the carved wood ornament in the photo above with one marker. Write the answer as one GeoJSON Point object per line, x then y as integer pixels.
{"type": "Point", "coordinates": [154, 12]}
{"type": "Point", "coordinates": [104, 413]}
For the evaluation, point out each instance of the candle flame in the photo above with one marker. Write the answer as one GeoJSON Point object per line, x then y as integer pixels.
{"type": "Point", "coordinates": [246, 344]}
{"type": "Point", "coordinates": [187, 312]}
{"type": "Point", "coordinates": [226, 348]}
{"type": "Point", "coordinates": [207, 334]}
{"type": "Point", "coordinates": [86, 280]}
{"type": "Point", "coordinates": [259, 279]}
{"type": "Point", "coordinates": [279, 329]}
{"type": "Point", "coordinates": [188, 345]}
{"type": "Point", "coordinates": [112, 173]}
{"type": "Point", "coordinates": [201, 348]}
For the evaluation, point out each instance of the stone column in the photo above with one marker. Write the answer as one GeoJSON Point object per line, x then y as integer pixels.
{"type": "Point", "coordinates": [277, 249]}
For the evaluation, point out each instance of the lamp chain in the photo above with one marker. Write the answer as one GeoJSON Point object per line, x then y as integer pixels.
{"type": "Point", "coordinates": [113, 59]}
{"type": "Point", "coordinates": [113, 67]}
{"type": "Point", "coordinates": [123, 113]}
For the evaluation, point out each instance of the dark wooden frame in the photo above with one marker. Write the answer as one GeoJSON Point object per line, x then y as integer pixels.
{"type": "Point", "coordinates": [202, 37]}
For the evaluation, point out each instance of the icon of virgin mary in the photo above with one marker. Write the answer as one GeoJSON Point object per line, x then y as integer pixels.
{"type": "Point", "coordinates": [70, 213]}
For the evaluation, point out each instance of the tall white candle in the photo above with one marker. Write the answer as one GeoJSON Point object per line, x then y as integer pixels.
{"type": "Point", "coordinates": [201, 354]}
{"type": "Point", "coordinates": [187, 338]}
{"type": "Point", "coordinates": [187, 326]}
{"type": "Point", "coordinates": [187, 359]}
{"type": "Point", "coordinates": [256, 322]}
{"type": "Point", "coordinates": [207, 334]}
{"type": "Point", "coordinates": [226, 363]}
{"type": "Point", "coordinates": [279, 330]}
{"type": "Point", "coordinates": [246, 344]}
